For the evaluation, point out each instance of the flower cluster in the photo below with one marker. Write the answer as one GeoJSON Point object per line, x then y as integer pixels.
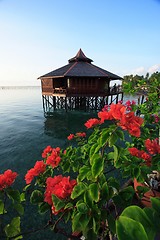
{"type": "Point", "coordinates": [59, 186]}
{"type": "Point", "coordinates": [46, 151]}
{"type": "Point", "coordinates": [92, 122]}
{"type": "Point", "coordinates": [78, 134]}
{"type": "Point", "coordinates": [141, 154]}
{"type": "Point", "coordinates": [129, 104]}
{"type": "Point", "coordinates": [54, 158]}
{"type": "Point", "coordinates": [7, 179]}
{"type": "Point", "coordinates": [118, 112]}
{"type": "Point", "coordinates": [152, 147]}
{"type": "Point", "coordinates": [38, 168]}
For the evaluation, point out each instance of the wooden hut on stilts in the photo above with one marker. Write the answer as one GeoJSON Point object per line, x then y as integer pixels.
{"type": "Point", "coordinates": [79, 85]}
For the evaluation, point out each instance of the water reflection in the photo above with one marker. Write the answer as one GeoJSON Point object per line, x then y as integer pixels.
{"type": "Point", "coordinates": [61, 124]}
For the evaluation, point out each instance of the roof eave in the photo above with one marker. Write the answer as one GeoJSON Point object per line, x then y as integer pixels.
{"type": "Point", "coordinates": [42, 77]}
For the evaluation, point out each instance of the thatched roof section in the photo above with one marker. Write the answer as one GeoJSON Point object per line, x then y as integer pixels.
{"type": "Point", "coordinates": [80, 66]}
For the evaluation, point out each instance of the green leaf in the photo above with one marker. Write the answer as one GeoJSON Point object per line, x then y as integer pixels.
{"type": "Point", "coordinates": [93, 150]}
{"type": "Point", "coordinates": [94, 225]}
{"type": "Point", "coordinates": [88, 199]}
{"type": "Point", "coordinates": [43, 207]}
{"type": "Point", "coordinates": [111, 223]}
{"type": "Point", "coordinates": [68, 205]}
{"type": "Point", "coordinates": [90, 235]}
{"type": "Point", "coordinates": [94, 191]}
{"type": "Point", "coordinates": [156, 204]}
{"type": "Point", "coordinates": [97, 165]}
{"type": "Point", "coordinates": [136, 172]}
{"type": "Point", "coordinates": [84, 221]}
{"type": "Point", "coordinates": [58, 203]}
{"type": "Point", "coordinates": [115, 153]}
{"type": "Point", "coordinates": [76, 222]}
{"type": "Point", "coordinates": [83, 172]}
{"type": "Point", "coordinates": [113, 139]}
{"type": "Point", "coordinates": [13, 228]}
{"type": "Point", "coordinates": [82, 207]}
{"type": "Point", "coordinates": [14, 195]}
{"type": "Point", "coordinates": [110, 156]}
{"type": "Point", "coordinates": [66, 166]}
{"type": "Point", "coordinates": [137, 214]}
{"type": "Point", "coordinates": [114, 183]}
{"type": "Point", "coordinates": [93, 138]}
{"type": "Point", "coordinates": [120, 134]}
{"type": "Point", "coordinates": [104, 137]}
{"type": "Point", "coordinates": [36, 197]}
{"type": "Point", "coordinates": [130, 229]}
{"type": "Point", "coordinates": [22, 197]}
{"type": "Point", "coordinates": [19, 208]}
{"type": "Point", "coordinates": [105, 191]}
{"type": "Point", "coordinates": [2, 209]}
{"type": "Point", "coordinates": [78, 190]}
{"type": "Point", "coordinates": [127, 193]}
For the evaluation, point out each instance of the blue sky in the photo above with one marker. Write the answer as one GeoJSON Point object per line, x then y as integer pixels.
{"type": "Point", "coordinates": [38, 36]}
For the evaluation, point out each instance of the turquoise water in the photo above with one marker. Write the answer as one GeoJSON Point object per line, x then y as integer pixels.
{"type": "Point", "coordinates": [25, 132]}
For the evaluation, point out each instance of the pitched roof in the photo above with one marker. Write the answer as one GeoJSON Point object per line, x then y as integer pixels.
{"type": "Point", "coordinates": [80, 66]}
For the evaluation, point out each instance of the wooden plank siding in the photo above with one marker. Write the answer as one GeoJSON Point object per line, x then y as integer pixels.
{"type": "Point", "coordinates": [75, 87]}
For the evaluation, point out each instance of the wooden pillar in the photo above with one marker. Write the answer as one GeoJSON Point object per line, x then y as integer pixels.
{"type": "Point", "coordinates": [66, 107]}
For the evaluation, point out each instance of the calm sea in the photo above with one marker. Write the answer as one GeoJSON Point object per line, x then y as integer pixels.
{"type": "Point", "coordinates": [25, 132]}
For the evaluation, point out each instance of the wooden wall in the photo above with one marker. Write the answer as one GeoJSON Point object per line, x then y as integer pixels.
{"type": "Point", "coordinates": [47, 85]}
{"type": "Point", "coordinates": [86, 86]}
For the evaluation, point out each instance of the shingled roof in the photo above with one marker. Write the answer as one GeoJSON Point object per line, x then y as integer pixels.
{"type": "Point", "coordinates": [80, 66]}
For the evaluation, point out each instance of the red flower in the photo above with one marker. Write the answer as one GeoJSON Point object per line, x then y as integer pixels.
{"type": "Point", "coordinates": [134, 130]}
{"type": "Point", "coordinates": [141, 154]}
{"type": "Point", "coordinates": [105, 116]}
{"type": "Point", "coordinates": [54, 158]}
{"type": "Point", "coordinates": [117, 110]}
{"type": "Point", "coordinates": [152, 146]}
{"type": "Point", "coordinates": [38, 168]}
{"type": "Point", "coordinates": [134, 152]}
{"type": "Point", "coordinates": [31, 173]}
{"type": "Point", "coordinates": [92, 122]}
{"type": "Point", "coordinates": [7, 179]}
{"type": "Point", "coordinates": [10, 177]}
{"type": "Point", "coordinates": [105, 108]}
{"type": "Point", "coordinates": [147, 158]}
{"type": "Point", "coordinates": [46, 151]}
{"type": "Point", "coordinates": [129, 104]}
{"type": "Point", "coordinates": [81, 134]}
{"type": "Point", "coordinates": [131, 123]}
{"type": "Point", "coordinates": [70, 137]}
{"type": "Point", "coordinates": [156, 118]}
{"type": "Point", "coordinates": [60, 186]}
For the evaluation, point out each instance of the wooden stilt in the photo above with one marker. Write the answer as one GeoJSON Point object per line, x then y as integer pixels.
{"type": "Point", "coordinates": [52, 103]}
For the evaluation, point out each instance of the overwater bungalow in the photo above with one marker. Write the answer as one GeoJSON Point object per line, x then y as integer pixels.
{"type": "Point", "coordinates": [79, 85]}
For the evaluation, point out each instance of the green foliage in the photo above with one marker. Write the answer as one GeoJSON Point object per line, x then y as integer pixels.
{"type": "Point", "coordinates": [141, 223]}
{"type": "Point", "coordinates": [127, 228]}
{"type": "Point", "coordinates": [36, 197]}
{"type": "Point", "coordinates": [12, 230]}
{"type": "Point", "coordinates": [2, 209]}
{"type": "Point", "coordinates": [83, 185]}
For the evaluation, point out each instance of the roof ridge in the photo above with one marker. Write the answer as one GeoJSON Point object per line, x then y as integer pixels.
{"type": "Point", "coordinates": [97, 69]}
{"type": "Point", "coordinates": [70, 68]}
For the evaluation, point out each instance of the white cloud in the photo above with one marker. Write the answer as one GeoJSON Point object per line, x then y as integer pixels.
{"type": "Point", "coordinates": [142, 70]}
{"type": "Point", "coordinates": [139, 70]}
{"type": "Point", "coordinates": [154, 68]}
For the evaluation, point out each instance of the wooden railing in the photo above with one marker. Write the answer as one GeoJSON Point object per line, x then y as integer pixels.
{"type": "Point", "coordinates": [81, 91]}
